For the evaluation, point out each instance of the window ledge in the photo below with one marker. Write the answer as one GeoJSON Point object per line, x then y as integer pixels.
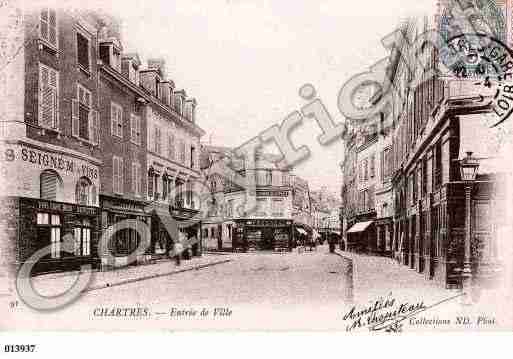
{"type": "Point", "coordinates": [45, 45]}
{"type": "Point", "coordinates": [85, 71]}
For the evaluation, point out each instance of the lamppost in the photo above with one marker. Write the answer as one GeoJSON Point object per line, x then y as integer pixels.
{"type": "Point", "coordinates": [468, 170]}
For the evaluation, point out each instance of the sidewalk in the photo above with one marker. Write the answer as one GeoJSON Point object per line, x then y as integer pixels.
{"type": "Point", "coordinates": [375, 276]}
{"type": "Point", "coordinates": [52, 284]}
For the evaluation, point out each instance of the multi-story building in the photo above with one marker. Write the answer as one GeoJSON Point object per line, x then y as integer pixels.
{"type": "Point", "coordinates": [432, 126]}
{"type": "Point", "coordinates": [173, 147]}
{"type": "Point", "coordinates": [53, 162]}
{"type": "Point", "coordinates": [95, 140]}
{"type": "Point", "coordinates": [243, 221]}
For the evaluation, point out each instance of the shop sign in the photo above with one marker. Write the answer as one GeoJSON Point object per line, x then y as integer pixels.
{"type": "Point", "coordinates": [50, 160]}
{"type": "Point", "coordinates": [272, 193]}
{"type": "Point", "coordinates": [66, 207]}
{"type": "Point", "coordinates": [123, 206]}
{"type": "Point", "coordinates": [268, 223]}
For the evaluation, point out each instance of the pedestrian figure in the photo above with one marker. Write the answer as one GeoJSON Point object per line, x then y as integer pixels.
{"type": "Point", "coordinates": [178, 249]}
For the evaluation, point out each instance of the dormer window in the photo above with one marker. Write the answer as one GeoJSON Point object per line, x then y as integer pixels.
{"type": "Point", "coordinates": [110, 53]}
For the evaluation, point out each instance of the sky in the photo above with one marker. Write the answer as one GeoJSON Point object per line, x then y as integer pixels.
{"type": "Point", "coordinates": [245, 60]}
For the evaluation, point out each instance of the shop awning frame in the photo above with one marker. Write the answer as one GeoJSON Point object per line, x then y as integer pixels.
{"type": "Point", "coordinates": [359, 227]}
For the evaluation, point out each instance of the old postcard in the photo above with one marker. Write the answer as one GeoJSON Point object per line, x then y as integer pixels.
{"type": "Point", "coordinates": [256, 165]}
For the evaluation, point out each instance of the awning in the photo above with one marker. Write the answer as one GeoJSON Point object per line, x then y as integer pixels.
{"type": "Point", "coordinates": [301, 230]}
{"type": "Point", "coordinates": [359, 227]}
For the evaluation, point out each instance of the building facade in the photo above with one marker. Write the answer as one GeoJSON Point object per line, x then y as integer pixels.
{"type": "Point", "coordinates": [271, 219]}
{"type": "Point", "coordinates": [419, 198]}
{"type": "Point", "coordinates": [82, 150]}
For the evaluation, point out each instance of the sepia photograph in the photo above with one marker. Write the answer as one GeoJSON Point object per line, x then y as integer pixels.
{"type": "Point", "coordinates": [245, 165]}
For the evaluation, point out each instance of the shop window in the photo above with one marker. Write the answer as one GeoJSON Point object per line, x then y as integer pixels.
{"type": "Point", "coordinates": [85, 192]}
{"type": "Point", "coordinates": [50, 185]}
{"type": "Point", "coordinates": [82, 236]}
{"type": "Point", "coordinates": [49, 231]}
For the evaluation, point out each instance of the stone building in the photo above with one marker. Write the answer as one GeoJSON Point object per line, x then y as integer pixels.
{"type": "Point", "coordinates": [270, 219]}
{"type": "Point", "coordinates": [94, 140]}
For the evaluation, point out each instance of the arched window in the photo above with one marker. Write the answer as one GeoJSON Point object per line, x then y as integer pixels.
{"type": "Point", "coordinates": [85, 192]}
{"type": "Point", "coordinates": [50, 185]}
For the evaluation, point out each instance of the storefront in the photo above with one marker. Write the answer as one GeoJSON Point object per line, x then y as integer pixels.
{"type": "Point", "coordinates": [51, 202]}
{"type": "Point", "coordinates": [190, 229]}
{"type": "Point", "coordinates": [361, 237]}
{"type": "Point", "coordinates": [125, 240]}
{"type": "Point", "coordinates": [263, 234]}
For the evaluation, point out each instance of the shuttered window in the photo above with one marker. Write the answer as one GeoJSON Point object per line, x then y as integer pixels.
{"type": "Point", "coordinates": [50, 185]}
{"type": "Point", "coordinates": [158, 140]}
{"type": "Point", "coordinates": [116, 118]}
{"type": "Point", "coordinates": [135, 129]}
{"type": "Point", "coordinates": [117, 174]}
{"type": "Point", "coordinates": [48, 27]}
{"type": "Point", "coordinates": [171, 147]}
{"type": "Point", "coordinates": [48, 97]}
{"type": "Point", "coordinates": [83, 51]}
{"type": "Point", "coordinates": [85, 120]}
{"type": "Point", "coordinates": [136, 179]}
{"type": "Point", "coordinates": [182, 152]}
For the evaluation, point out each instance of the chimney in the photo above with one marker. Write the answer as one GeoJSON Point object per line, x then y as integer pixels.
{"type": "Point", "coordinates": [158, 64]}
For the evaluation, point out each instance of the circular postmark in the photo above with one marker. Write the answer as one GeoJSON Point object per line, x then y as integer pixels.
{"type": "Point", "coordinates": [487, 65]}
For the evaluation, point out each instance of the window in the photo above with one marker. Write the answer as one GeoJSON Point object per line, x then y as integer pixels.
{"type": "Point", "coordinates": [117, 174]}
{"type": "Point", "coordinates": [158, 142]}
{"type": "Point", "coordinates": [437, 175]}
{"type": "Point", "coordinates": [285, 179]}
{"type": "Point", "coordinates": [85, 120]}
{"type": "Point", "coordinates": [49, 231]}
{"type": "Point", "coordinates": [365, 169]}
{"type": "Point", "coordinates": [135, 129]}
{"type": "Point", "coordinates": [424, 176]}
{"type": "Point", "coordinates": [179, 193]}
{"type": "Point", "coordinates": [178, 104]}
{"type": "Point", "coordinates": [277, 207]}
{"type": "Point", "coordinates": [150, 182]}
{"type": "Point", "coordinates": [85, 192]}
{"type": "Point", "coordinates": [116, 119]}
{"type": "Point", "coordinates": [171, 147]}
{"type": "Point", "coordinates": [48, 97]}
{"type": "Point", "coordinates": [386, 164]}
{"type": "Point", "coordinates": [229, 208]}
{"type": "Point", "coordinates": [50, 185]}
{"type": "Point", "coordinates": [372, 166]}
{"type": "Point", "coordinates": [269, 177]}
{"type": "Point", "coordinates": [136, 179]}
{"type": "Point", "coordinates": [182, 152]}
{"type": "Point", "coordinates": [82, 236]}
{"type": "Point", "coordinates": [188, 194]}
{"type": "Point", "coordinates": [261, 205]}
{"type": "Point", "coordinates": [48, 27]}
{"type": "Point", "coordinates": [83, 52]}
{"type": "Point", "coordinates": [193, 156]}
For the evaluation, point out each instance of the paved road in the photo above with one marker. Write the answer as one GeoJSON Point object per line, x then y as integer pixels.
{"type": "Point", "coordinates": [254, 278]}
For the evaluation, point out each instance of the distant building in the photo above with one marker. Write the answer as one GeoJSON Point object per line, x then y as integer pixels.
{"type": "Point", "coordinates": [242, 221]}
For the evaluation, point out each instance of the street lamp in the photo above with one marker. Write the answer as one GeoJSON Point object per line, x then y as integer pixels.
{"type": "Point", "coordinates": [468, 170]}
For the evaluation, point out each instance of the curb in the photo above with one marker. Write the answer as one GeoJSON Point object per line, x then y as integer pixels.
{"type": "Point", "coordinates": [133, 280]}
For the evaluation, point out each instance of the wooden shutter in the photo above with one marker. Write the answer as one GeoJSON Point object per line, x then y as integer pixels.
{"type": "Point", "coordinates": [120, 176]}
{"type": "Point", "coordinates": [52, 27]}
{"type": "Point", "coordinates": [115, 175]}
{"type": "Point", "coordinates": [74, 117]}
{"type": "Point", "coordinates": [112, 119]}
{"type": "Point", "coordinates": [120, 121]}
{"type": "Point", "coordinates": [48, 186]}
{"type": "Point", "coordinates": [47, 97]}
{"type": "Point", "coordinates": [94, 122]}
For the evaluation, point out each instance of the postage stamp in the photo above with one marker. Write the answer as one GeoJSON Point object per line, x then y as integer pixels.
{"type": "Point", "coordinates": [231, 166]}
